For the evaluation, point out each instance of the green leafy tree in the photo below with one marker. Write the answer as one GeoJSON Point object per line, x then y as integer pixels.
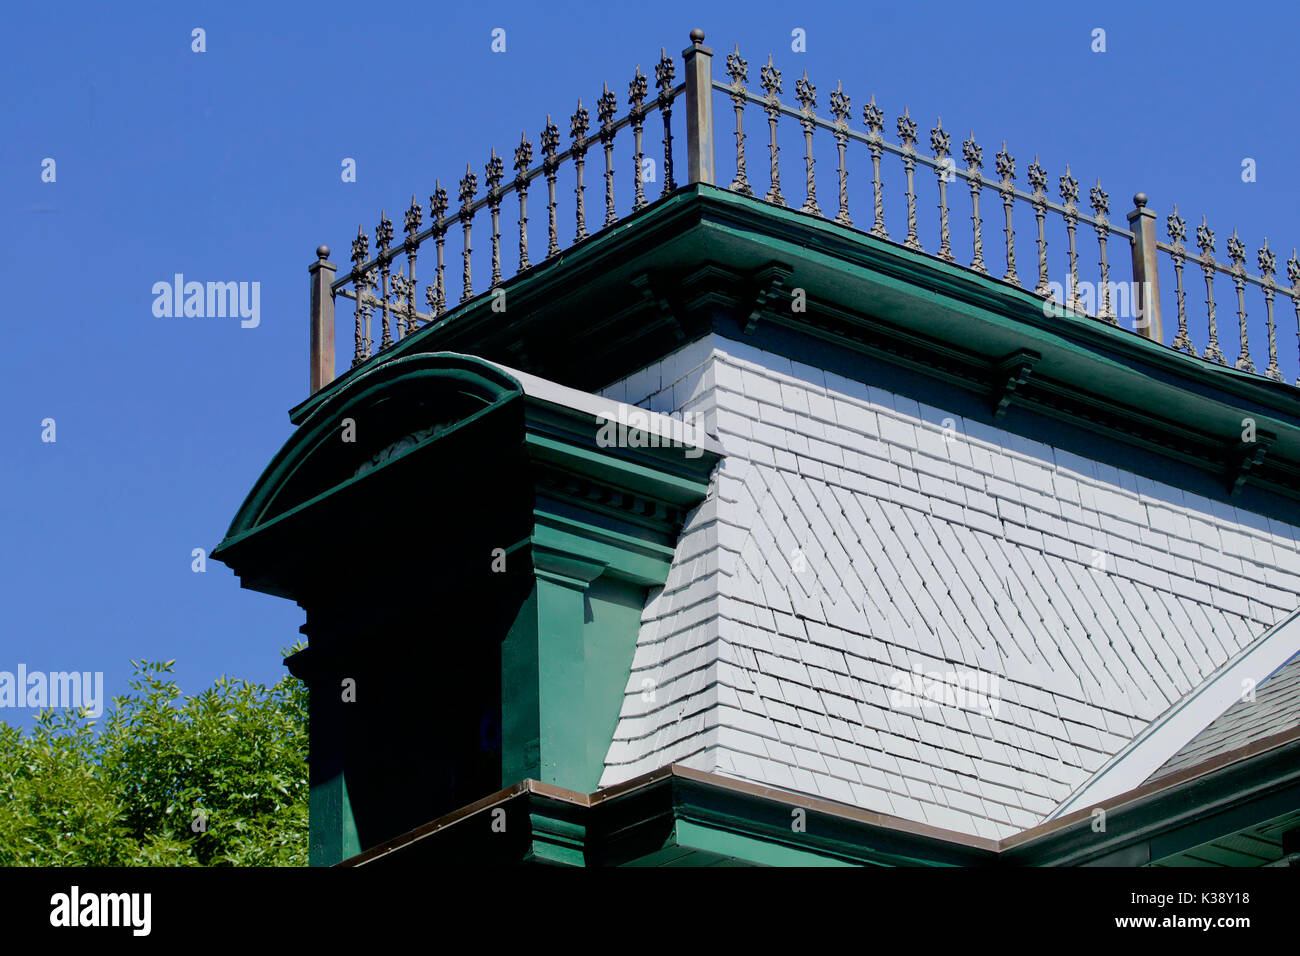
{"type": "Point", "coordinates": [216, 779]}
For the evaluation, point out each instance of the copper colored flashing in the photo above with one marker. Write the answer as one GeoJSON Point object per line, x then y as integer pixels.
{"type": "Point", "coordinates": [818, 805]}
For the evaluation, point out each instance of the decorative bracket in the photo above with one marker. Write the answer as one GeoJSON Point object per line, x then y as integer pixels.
{"type": "Point", "coordinates": [1247, 456]}
{"type": "Point", "coordinates": [654, 297]}
{"type": "Point", "coordinates": [768, 282]}
{"type": "Point", "coordinates": [1009, 374]}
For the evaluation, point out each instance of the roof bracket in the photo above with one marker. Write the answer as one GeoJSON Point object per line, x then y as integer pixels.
{"type": "Point", "coordinates": [1009, 374]}
{"type": "Point", "coordinates": [768, 282]}
{"type": "Point", "coordinates": [1247, 456]}
{"type": "Point", "coordinates": [652, 295]}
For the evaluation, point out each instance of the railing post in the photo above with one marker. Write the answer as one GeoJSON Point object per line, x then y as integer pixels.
{"type": "Point", "coordinates": [699, 110]}
{"type": "Point", "coordinates": [322, 320]}
{"type": "Point", "coordinates": [1146, 275]}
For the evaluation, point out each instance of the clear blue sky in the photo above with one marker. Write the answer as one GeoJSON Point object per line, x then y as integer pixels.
{"type": "Point", "coordinates": [225, 166]}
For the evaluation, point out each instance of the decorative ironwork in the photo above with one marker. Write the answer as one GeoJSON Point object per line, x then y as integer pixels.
{"type": "Point", "coordinates": [841, 110]}
{"type": "Point", "coordinates": [738, 72]}
{"type": "Point", "coordinates": [606, 107]}
{"type": "Point", "coordinates": [468, 187]}
{"type": "Point", "coordinates": [411, 224]}
{"type": "Point", "coordinates": [1205, 242]}
{"type": "Point", "coordinates": [1038, 182]}
{"type": "Point", "coordinates": [636, 94]}
{"type": "Point", "coordinates": [941, 145]}
{"type": "Point", "coordinates": [403, 305]}
{"type": "Point", "coordinates": [974, 156]}
{"type": "Point", "coordinates": [1267, 266]}
{"type": "Point", "coordinates": [874, 117]}
{"type": "Point", "coordinates": [436, 296]}
{"type": "Point", "coordinates": [1006, 167]}
{"type": "Point", "coordinates": [492, 175]}
{"type": "Point", "coordinates": [383, 240]}
{"type": "Point", "coordinates": [550, 143]}
{"type": "Point", "coordinates": [361, 280]}
{"type": "Point", "coordinates": [1177, 228]}
{"type": "Point", "coordinates": [770, 78]}
{"type": "Point", "coordinates": [1237, 253]}
{"type": "Point", "coordinates": [806, 94]}
{"type": "Point", "coordinates": [1293, 273]}
{"type": "Point", "coordinates": [1100, 203]}
{"type": "Point", "coordinates": [1069, 195]}
{"type": "Point", "coordinates": [664, 71]}
{"type": "Point", "coordinates": [381, 283]}
{"type": "Point", "coordinates": [907, 133]}
{"type": "Point", "coordinates": [578, 125]}
{"type": "Point", "coordinates": [523, 159]}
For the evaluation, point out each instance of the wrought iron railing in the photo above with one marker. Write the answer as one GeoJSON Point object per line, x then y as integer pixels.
{"type": "Point", "coordinates": [374, 289]}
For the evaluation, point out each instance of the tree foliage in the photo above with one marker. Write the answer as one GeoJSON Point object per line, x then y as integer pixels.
{"type": "Point", "coordinates": [216, 779]}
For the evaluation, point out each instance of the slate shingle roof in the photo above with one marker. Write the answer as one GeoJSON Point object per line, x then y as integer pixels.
{"type": "Point", "coordinates": [1276, 708]}
{"type": "Point", "coordinates": [852, 535]}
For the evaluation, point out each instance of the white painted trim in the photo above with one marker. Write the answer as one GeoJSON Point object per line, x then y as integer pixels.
{"type": "Point", "coordinates": [1168, 734]}
{"type": "Point", "coordinates": [597, 406]}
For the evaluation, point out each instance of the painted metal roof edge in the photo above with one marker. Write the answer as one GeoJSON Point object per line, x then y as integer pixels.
{"type": "Point", "coordinates": [1143, 793]}
{"type": "Point", "coordinates": [600, 407]}
{"type": "Point", "coordinates": [1164, 787]}
{"type": "Point", "coordinates": [1165, 736]}
{"type": "Point", "coordinates": [744, 787]}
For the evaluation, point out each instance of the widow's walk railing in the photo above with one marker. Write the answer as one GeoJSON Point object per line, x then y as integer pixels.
{"type": "Point", "coordinates": [375, 289]}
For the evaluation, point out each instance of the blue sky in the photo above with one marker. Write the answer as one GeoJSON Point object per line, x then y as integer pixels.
{"type": "Point", "coordinates": [225, 166]}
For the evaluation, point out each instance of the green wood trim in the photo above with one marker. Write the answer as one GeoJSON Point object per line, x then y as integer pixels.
{"type": "Point", "coordinates": [332, 830]}
{"type": "Point", "coordinates": [644, 479]}
{"type": "Point", "coordinates": [749, 849]}
{"type": "Point", "coordinates": [582, 320]}
{"type": "Point", "coordinates": [320, 432]}
{"type": "Point", "coordinates": [644, 562]}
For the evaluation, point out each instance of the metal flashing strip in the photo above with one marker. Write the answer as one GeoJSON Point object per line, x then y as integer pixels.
{"type": "Point", "coordinates": [1169, 733]}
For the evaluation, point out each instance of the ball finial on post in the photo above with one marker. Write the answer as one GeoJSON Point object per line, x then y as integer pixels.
{"type": "Point", "coordinates": [322, 253]}
{"type": "Point", "coordinates": [1140, 199]}
{"type": "Point", "coordinates": [697, 36]}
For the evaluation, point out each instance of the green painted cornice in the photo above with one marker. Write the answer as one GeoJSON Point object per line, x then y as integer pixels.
{"type": "Point", "coordinates": [708, 260]}
{"type": "Point", "coordinates": [474, 530]}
